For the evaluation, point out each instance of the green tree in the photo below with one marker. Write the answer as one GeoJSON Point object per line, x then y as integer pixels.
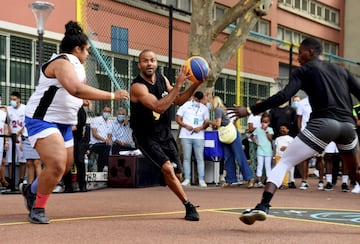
{"type": "Point", "coordinates": [204, 30]}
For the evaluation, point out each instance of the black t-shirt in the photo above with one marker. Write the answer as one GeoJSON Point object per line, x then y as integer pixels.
{"type": "Point", "coordinates": [284, 115]}
{"type": "Point", "coordinates": [145, 122]}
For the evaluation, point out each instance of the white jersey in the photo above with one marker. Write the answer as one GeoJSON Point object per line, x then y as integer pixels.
{"type": "Point", "coordinates": [51, 102]}
{"type": "Point", "coordinates": [16, 118]}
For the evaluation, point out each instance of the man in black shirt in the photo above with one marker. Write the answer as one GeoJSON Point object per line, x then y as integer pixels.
{"type": "Point", "coordinates": [328, 87]}
{"type": "Point", "coordinates": [151, 98]}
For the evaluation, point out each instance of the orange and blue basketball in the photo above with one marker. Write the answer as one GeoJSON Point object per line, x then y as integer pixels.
{"type": "Point", "coordinates": [197, 67]}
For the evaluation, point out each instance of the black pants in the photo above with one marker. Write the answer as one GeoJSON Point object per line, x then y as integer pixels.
{"type": "Point", "coordinates": [103, 150]}
{"type": "Point", "coordinates": [80, 148]}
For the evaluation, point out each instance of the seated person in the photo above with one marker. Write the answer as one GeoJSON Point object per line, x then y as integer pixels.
{"type": "Point", "coordinates": [100, 137]}
{"type": "Point", "coordinates": [121, 133]}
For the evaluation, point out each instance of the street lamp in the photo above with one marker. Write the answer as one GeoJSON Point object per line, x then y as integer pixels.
{"type": "Point", "coordinates": [41, 11]}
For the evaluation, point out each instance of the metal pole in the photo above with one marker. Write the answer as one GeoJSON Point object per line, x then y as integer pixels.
{"type": "Point", "coordinates": [170, 74]}
{"type": "Point", "coordinates": [13, 163]}
{"type": "Point", "coordinates": [40, 49]}
{"type": "Point", "coordinates": [290, 64]}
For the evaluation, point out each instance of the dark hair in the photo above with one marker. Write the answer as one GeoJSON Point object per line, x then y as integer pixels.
{"type": "Point", "coordinates": [199, 95]}
{"type": "Point", "coordinates": [313, 44]}
{"type": "Point", "coordinates": [74, 36]}
{"type": "Point", "coordinates": [16, 94]}
{"type": "Point", "coordinates": [285, 124]}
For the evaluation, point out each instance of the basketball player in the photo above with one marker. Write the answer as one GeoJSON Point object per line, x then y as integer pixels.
{"type": "Point", "coordinates": [151, 96]}
{"type": "Point", "coordinates": [328, 87]}
{"type": "Point", "coordinates": [52, 111]}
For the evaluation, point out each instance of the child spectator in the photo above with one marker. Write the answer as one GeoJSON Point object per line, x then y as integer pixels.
{"type": "Point", "coordinates": [263, 137]}
{"type": "Point", "coordinates": [280, 144]}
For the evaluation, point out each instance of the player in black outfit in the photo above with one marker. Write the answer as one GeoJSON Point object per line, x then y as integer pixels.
{"type": "Point", "coordinates": [328, 87]}
{"type": "Point", "coordinates": [151, 98]}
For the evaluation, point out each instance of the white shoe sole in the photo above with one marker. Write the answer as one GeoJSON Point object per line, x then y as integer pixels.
{"type": "Point", "coordinates": [255, 215]}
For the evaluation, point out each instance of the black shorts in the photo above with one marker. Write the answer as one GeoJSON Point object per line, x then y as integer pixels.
{"type": "Point", "coordinates": [159, 151]}
{"type": "Point", "coordinates": [318, 133]}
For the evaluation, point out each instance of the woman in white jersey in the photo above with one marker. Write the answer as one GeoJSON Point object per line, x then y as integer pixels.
{"type": "Point", "coordinates": [52, 111]}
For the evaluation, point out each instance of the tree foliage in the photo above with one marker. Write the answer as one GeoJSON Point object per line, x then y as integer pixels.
{"type": "Point", "coordinates": [204, 30]}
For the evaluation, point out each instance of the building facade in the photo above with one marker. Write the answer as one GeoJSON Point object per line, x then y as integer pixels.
{"type": "Point", "coordinates": [120, 29]}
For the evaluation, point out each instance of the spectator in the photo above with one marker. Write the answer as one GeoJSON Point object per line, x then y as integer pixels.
{"type": "Point", "coordinates": [253, 122]}
{"type": "Point", "coordinates": [100, 138]}
{"type": "Point", "coordinates": [284, 114]}
{"type": "Point", "coordinates": [33, 162]}
{"type": "Point", "coordinates": [262, 136]}
{"type": "Point", "coordinates": [193, 118]}
{"type": "Point", "coordinates": [232, 152]}
{"type": "Point", "coordinates": [4, 144]}
{"type": "Point", "coordinates": [280, 144]}
{"type": "Point", "coordinates": [16, 113]}
{"type": "Point", "coordinates": [80, 147]}
{"type": "Point", "coordinates": [121, 133]}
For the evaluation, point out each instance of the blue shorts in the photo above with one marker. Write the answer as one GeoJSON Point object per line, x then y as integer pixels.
{"type": "Point", "coordinates": [40, 129]}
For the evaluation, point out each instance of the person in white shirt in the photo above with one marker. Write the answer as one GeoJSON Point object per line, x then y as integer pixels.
{"type": "Point", "coordinates": [253, 122]}
{"type": "Point", "coordinates": [193, 118]}
{"type": "Point", "coordinates": [16, 113]}
{"type": "Point", "coordinates": [101, 138]}
{"type": "Point", "coordinates": [51, 113]}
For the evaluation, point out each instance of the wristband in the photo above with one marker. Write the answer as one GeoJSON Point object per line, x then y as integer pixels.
{"type": "Point", "coordinates": [112, 96]}
{"type": "Point", "coordinates": [248, 110]}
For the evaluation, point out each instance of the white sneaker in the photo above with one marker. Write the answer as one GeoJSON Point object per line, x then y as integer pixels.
{"type": "Point", "coordinates": [356, 189]}
{"type": "Point", "coordinates": [58, 189]}
{"type": "Point", "coordinates": [304, 185]}
{"type": "Point", "coordinates": [186, 182]}
{"type": "Point", "coordinates": [202, 183]}
{"type": "Point", "coordinates": [321, 186]}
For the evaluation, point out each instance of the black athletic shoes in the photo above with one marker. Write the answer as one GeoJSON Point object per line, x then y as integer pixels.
{"type": "Point", "coordinates": [258, 213]}
{"type": "Point", "coordinates": [191, 213]}
{"type": "Point", "coordinates": [37, 216]}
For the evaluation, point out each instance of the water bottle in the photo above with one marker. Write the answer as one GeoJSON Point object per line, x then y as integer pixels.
{"type": "Point", "coordinates": [86, 162]}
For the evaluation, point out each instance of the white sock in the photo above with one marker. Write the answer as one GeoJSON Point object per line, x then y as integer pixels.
{"type": "Point", "coordinates": [328, 177]}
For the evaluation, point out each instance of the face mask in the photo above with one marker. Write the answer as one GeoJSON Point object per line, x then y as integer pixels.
{"type": "Point", "coordinates": [121, 118]}
{"type": "Point", "coordinates": [106, 115]}
{"type": "Point", "coordinates": [208, 105]}
{"type": "Point", "coordinates": [295, 104]}
{"type": "Point", "coordinates": [196, 104]}
{"type": "Point", "coordinates": [0, 103]}
{"type": "Point", "coordinates": [13, 103]}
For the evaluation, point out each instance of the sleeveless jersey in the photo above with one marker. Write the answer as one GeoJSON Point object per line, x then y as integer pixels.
{"type": "Point", "coordinates": [51, 102]}
{"type": "Point", "coordinates": [145, 122]}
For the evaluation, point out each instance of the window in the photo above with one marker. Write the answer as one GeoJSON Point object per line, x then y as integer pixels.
{"type": "Point", "coordinates": [119, 40]}
{"type": "Point", "coordinates": [313, 9]}
{"type": "Point", "coordinates": [225, 87]}
{"type": "Point", "coordinates": [304, 5]}
{"type": "Point", "coordinates": [296, 37]}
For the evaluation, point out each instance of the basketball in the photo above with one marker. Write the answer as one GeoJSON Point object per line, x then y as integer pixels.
{"type": "Point", "coordinates": [197, 67]}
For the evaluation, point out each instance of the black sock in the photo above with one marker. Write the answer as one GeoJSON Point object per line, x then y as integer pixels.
{"type": "Point", "coordinates": [186, 202]}
{"type": "Point", "coordinates": [266, 198]}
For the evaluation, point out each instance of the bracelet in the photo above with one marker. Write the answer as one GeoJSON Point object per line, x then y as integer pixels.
{"type": "Point", "coordinates": [248, 110]}
{"type": "Point", "coordinates": [112, 96]}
